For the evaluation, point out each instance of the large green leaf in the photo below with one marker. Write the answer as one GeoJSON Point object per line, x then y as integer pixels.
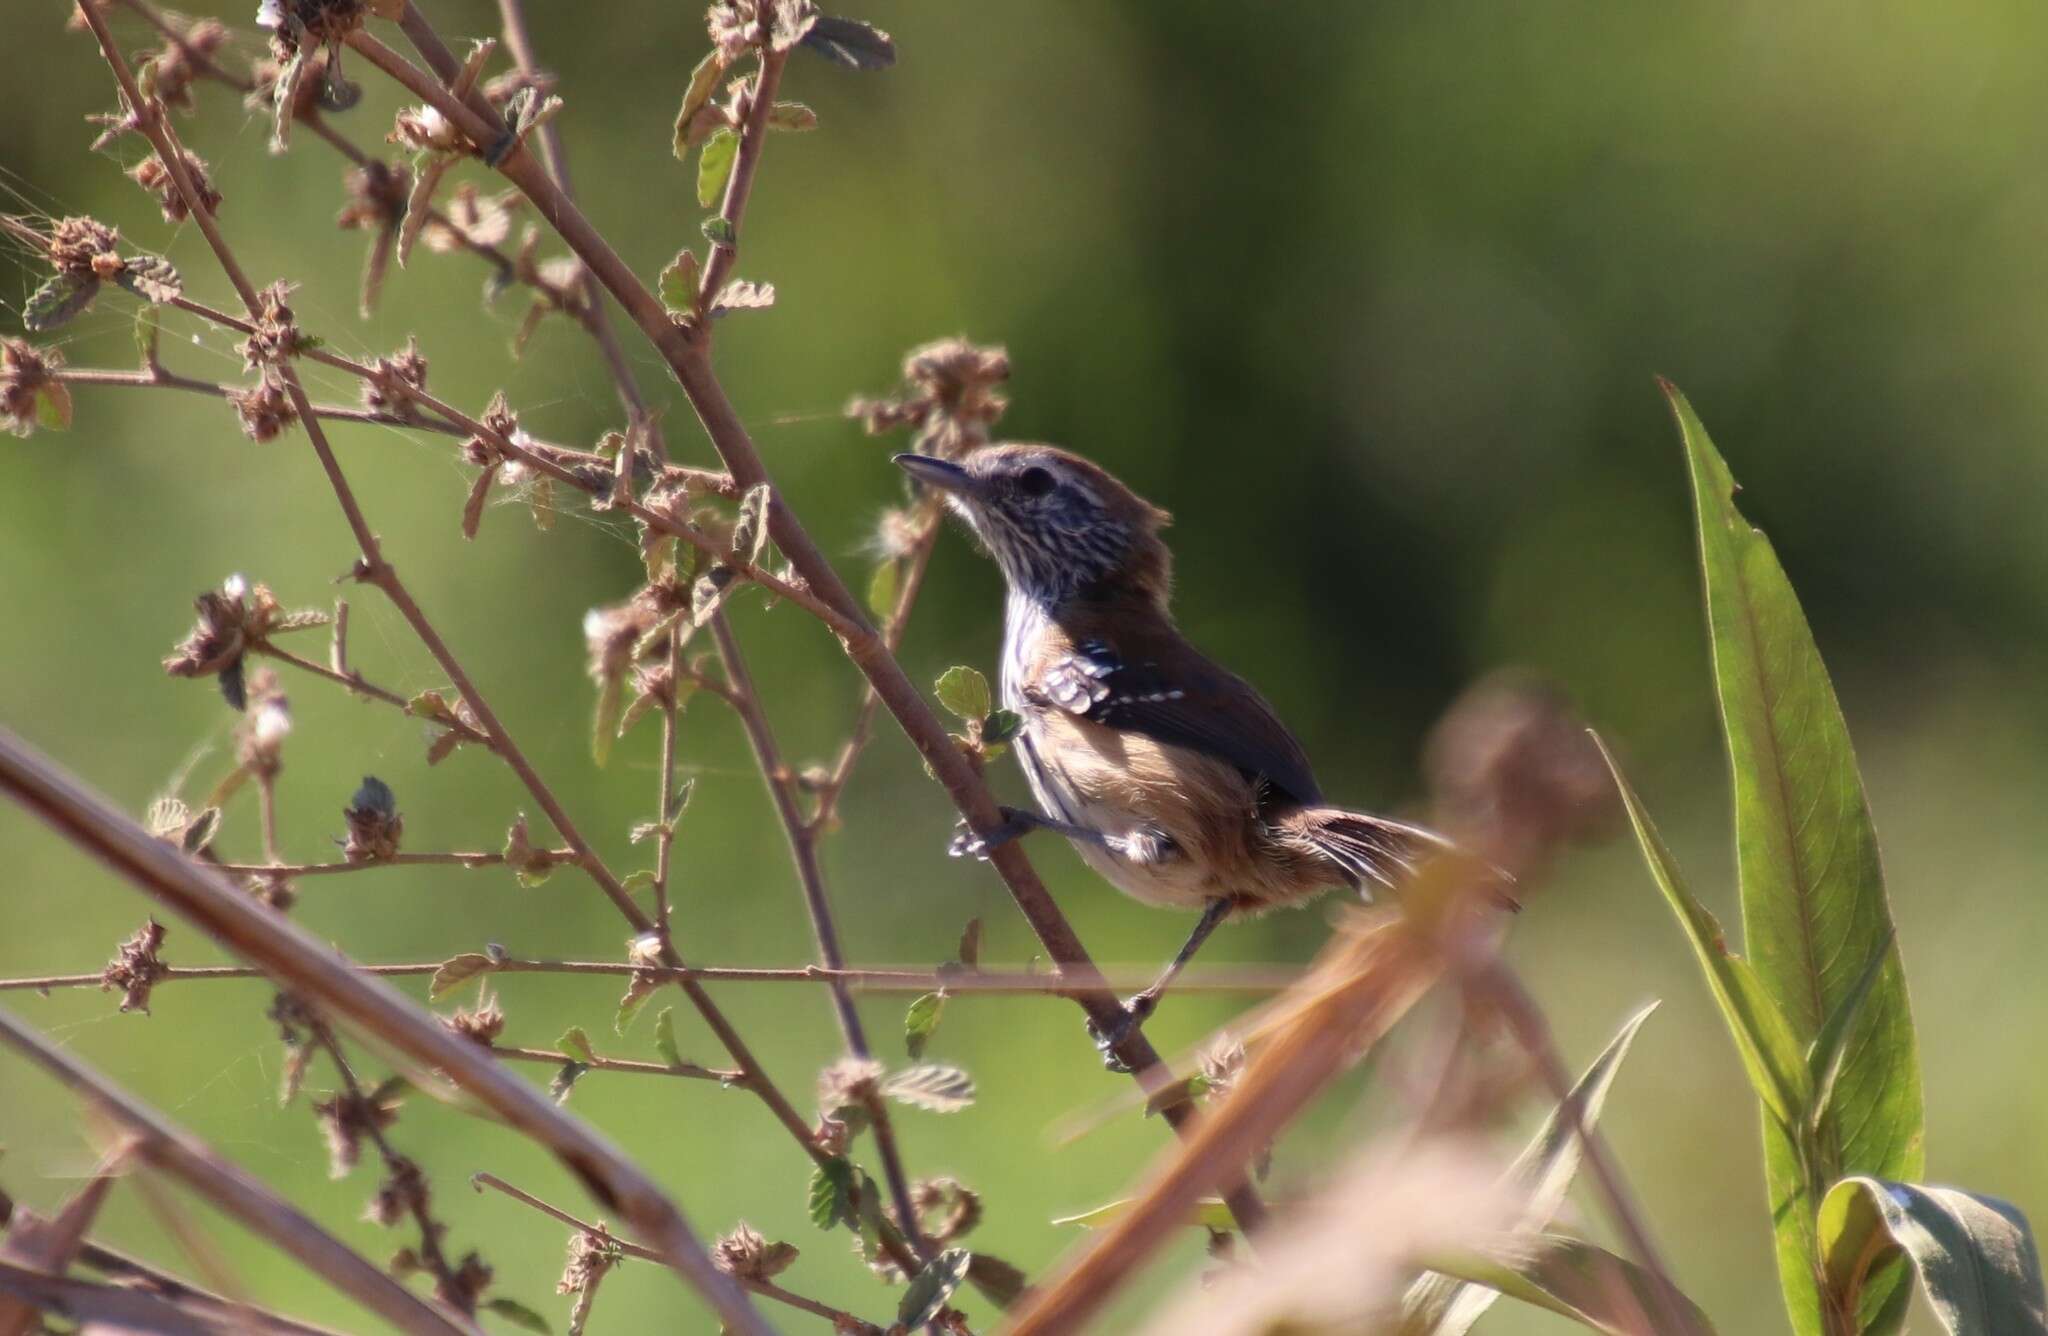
{"type": "Point", "coordinates": [1577, 1280]}
{"type": "Point", "coordinates": [1975, 1255]}
{"type": "Point", "coordinates": [1541, 1176]}
{"type": "Point", "coordinates": [1813, 901]}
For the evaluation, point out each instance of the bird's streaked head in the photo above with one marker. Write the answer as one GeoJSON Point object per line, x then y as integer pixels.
{"type": "Point", "coordinates": [1058, 525]}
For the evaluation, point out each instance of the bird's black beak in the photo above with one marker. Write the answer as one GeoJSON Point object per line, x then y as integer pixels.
{"type": "Point", "coordinates": [940, 473]}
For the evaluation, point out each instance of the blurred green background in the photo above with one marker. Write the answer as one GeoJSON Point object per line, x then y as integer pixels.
{"type": "Point", "coordinates": [1370, 296]}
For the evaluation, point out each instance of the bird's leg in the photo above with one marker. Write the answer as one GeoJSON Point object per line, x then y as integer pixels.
{"type": "Point", "coordinates": [1141, 1006]}
{"type": "Point", "coordinates": [1016, 821]}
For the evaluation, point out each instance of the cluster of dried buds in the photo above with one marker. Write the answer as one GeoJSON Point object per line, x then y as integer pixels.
{"type": "Point", "coordinates": [374, 823]}
{"type": "Point", "coordinates": [480, 1025]}
{"type": "Point", "coordinates": [394, 380]}
{"type": "Point", "coordinates": [136, 967]}
{"type": "Point", "coordinates": [232, 620]}
{"type": "Point", "coordinates": [951, 397]}
{"type": "Point", "coordinates": [86, 253]}
{"type": "Point", "coordinates": [30, 395]}
{"type": "Point", "coordinates": [156, 178]}
{"type": "Point", "coordinates": [266, 408]}
{"type": "Point", "coordinates": [171, 72]}
{"type": "Point", "coordinates": [748, 1254]}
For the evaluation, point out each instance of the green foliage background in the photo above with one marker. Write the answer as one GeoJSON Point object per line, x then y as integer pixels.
{"type": "Point", "coordinates": [1370, 296]}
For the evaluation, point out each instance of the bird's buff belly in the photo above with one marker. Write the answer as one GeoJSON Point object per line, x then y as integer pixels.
{"type": "Point", "coordinates": [1136, 794]}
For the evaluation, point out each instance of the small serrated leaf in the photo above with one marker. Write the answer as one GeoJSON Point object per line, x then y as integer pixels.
{"type": "Point", "coordinates": [922, 1021]}
{"type": "Point", "coordinates": [577, 1045]}
{"type": "Point", "coordinates": [792, 116]}
{"type": "Point", "coordinates": [635, 882]}
{"type": "Point", "coordinates": [717, 231]}
{"type": "Point", "coordinates": [665, 1037]}
{"type": "Point", "coordinates": [149, 327]}
{"type": "Point", "coordinates": [1000, 727]}
{"type": "Point", "coordinates": [456, 971]}
{"type": "Point", "coordinates": [709, 592]}
{"type": "Point", "coordinates": [964, 692]}
{"type": "Point", "coordinates": [604, 724]}
{"type": "Point", "coordinates": [57, 301]}
{"type": "Point", "coordinates": [931, 1287]}
{"type": "Point", "coordinates": [831, 1194]}
{"type": "Point", "coordinates": [882, 589]}
{"type": "Point", "coordinates": [518, 1314]}
{"type": "Point", "coordinates": [750, 528]}
{"type": "Point", "coordinates": [714, 166]}
{"type": "Point", "coordinates": [150, 277]}
{"type": "Point", "coordinates": [53, 405]}
{"type": "Point", "coordinates": [849, 42]}
{"type": "Point", "coordinates": [703, 82]}
{"type": "Point", "coordinates": [565, 1081]}
{"type": "Point", "coordinates": [678, 284]}
{"type": "Point", "coordinates": [743, 295]}
{"type": "Point", "coordinates": [933, 1088]}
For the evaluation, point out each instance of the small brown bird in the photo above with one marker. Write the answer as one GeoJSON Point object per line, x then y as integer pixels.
{"type": "Point", "coordinates": [1172, 776]}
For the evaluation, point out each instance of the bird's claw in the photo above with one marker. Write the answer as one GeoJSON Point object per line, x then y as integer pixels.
{"type": "Point", "coordinates": [1131, 1016]}
{"type": "Point", "coordinates": [966, 844]}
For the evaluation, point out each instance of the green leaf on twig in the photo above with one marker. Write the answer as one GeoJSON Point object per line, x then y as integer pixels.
{"type": "Point", "coordinates": [665, 1037]}
{"type": "Point", "coordinates": [930, 1087]}
{"type": "Point", "coordinates": [964, 692]}
{"type": "Point", "coordinates": [832, 1194]}
{"type": "Point", "coordinates": [921, 1022]}
{"type": "Point", "coordinates": [577, 1045]}
{"type": "Point", "coordinates": [714, 166]}
{"type": "Point", "coordinates": [457, 971]}
{"type": "Point", "coordinates": [518, 1314]}
{"type": "Point", "coordinates": [678, 284]}
{"type": "Point", "coordinates": [1210, 1213]}
{"type": "Point", "coordinates": [931, 1287]}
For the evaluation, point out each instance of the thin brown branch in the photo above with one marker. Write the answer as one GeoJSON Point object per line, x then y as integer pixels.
{"type": "Point", "coordinates": [448, 1286]}
{"type": "Point", "coordinates": [200, 60]}
{"type": "Point", "coordinates": [310, 968]}
{"type": "Point", "coordinates": [174, 1151]}
{"type": "Point", "coordinates": [450, 859]}
{"type": "Point", "coordinates": [803, 852]}
{"type": "Point", "coordinates": [598, 322]}
{"type": "Point", "coordinates": [915, 564]}
{"type": "Point", "coordinates": [165, 380]}
{"type": "Point", "coordinates": [689, 1070]}
{"type": "Point", "coordinates": [1234, 981]}
{"type": "Point", "coordinates": [628, 1248]}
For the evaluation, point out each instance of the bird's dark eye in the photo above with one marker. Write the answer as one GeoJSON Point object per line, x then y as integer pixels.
{"type": "Point", "coordinates": [1035, 481]}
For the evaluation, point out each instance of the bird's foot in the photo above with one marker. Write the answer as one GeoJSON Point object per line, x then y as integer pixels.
{"type": "Point", "coordinates": [968, 843]}
{"type": "Point", "coordinates": [1131, 1016]}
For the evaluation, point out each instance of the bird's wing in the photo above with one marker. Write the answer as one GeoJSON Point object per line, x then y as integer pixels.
{"type": "Point", "coordinates": [1196, 704]}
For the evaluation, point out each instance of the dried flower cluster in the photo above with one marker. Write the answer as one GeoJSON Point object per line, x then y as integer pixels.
{"type": "Point", "coordinates": [232, 620]}
{"type": "Point", "coordinates": [374, 823]}
{"type": "Point", "coordinates": [179, 65]}
{"type": "Point", "coordinates": [482, 1025]}
{"type": "Point", "coordinates": [747, 1254]}
{"type": "Point", "coordinates": [951, 400]}
{"type": "Point", "coordinates": [136, 967]}
{"type": "Point", "coordinates": [738, 26]}
{"type": "Point", "coordinates": [30, 396]}
{"type": "Point", "coordinates": [348, 1119]}
{"type": "Point", "coordinates": [156, 178]}
{"type": "Point", "coordinates": [390, 387]}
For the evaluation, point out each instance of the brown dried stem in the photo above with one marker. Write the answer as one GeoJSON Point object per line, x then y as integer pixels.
{"type": "Point", "coordinates": [803, 852]}
{"type": "Point", "coordinates": [1223, 980]}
